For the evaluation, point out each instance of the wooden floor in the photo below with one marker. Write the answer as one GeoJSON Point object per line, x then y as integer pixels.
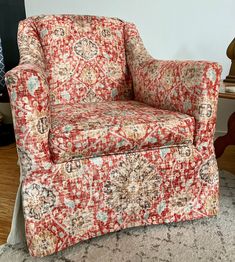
{"type": "Point", "coordinates": [9, 181]}
{"type": "Point", "coordinates": [227, 161]}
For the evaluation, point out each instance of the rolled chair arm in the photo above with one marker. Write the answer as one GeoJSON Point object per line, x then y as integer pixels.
{"type": "Point", "coordinates": [29, 96]}
{"type": "Point", "coordinates": [190, 87]}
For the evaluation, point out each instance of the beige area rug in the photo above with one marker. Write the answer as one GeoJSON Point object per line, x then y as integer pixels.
{"type": "Point", "coordinates": [206, 240]}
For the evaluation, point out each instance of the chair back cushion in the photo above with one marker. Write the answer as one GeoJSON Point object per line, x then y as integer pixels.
{"type": "Point", "coordinates": [84, 57]}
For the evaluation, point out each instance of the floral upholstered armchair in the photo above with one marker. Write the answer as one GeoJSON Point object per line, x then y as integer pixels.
{"type": "Point", "coordinates": [107, 136]}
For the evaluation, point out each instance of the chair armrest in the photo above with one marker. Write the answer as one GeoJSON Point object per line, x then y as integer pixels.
{"type": "Point", "coordinates": [190, 87]}
{"type": "Point", "coordinates": [29, 97]}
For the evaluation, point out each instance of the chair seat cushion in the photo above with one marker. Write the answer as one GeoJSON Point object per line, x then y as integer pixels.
{"type": "Point", "coordinates": [95, 129]}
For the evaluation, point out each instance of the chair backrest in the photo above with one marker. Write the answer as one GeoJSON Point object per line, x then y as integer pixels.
{"type": "Point", "coordinates": [83, 56]}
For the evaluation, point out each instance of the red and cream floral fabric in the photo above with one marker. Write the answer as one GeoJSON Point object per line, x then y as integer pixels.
{"type": "Point", "coordinates": [96, 129]}
{"type": "Point", "coordinates": [171, 180]}
{"type": "Point", "coordinates": [84, 57]}
{"type": "Point", "coordinates": [189, 87]}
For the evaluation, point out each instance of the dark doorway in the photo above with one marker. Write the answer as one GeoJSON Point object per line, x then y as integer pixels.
{"type": "Point", "coordinates": [11, 12]}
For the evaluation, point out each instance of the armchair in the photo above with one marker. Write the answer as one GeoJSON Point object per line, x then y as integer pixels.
{"type": "Point", "coordinates": [108, 137]}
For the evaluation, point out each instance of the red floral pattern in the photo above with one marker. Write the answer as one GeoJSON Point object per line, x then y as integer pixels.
{"type": "Point", "coordinates": [189, 87]}
{"type": "Point", "coordinates": [96, 129]}
{"type": "Point", "coordinates": [89, 61]}
{"type": "Point", "coordinates": [86, 197]}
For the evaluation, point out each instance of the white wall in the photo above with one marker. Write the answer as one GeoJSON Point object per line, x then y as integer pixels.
{"type": "Point", "coordinates": [179, 29]}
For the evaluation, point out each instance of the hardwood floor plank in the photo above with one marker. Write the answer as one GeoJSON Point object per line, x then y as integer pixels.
{"type": "Point", "coordinates": [9, 182]}
{"type": "Point", "coordinates": [227, 160]}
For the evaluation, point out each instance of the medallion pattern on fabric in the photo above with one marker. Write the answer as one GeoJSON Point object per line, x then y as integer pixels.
{"type": "Point", "coordinates": [107, 136]}
{"type": "Point", "coordinates": [86, 49]}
